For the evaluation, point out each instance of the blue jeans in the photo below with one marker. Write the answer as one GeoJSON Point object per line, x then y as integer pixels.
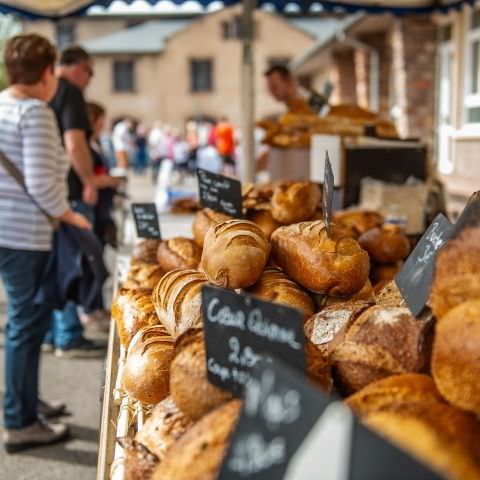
{"type": "Point", "coordinates": [27, 323]}
{"type": "Point", "coordinates": [66, 326]}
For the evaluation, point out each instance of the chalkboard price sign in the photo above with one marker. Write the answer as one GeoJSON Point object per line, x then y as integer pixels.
{"type": "Point", "coordinates": [220, 193]}
{"type": "Point", "coordinates": [279, 410]}
{"type": "Point", "coordinates": [146, 220]}
{"type": "Point", "coordinates": [416, 276]}
{"type": "Point", "coordinates": [328, 182]}
{"type": "Point", "coordinates": [239, 329]}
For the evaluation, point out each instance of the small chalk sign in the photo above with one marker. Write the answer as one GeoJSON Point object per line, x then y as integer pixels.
{"type": "Point", "coordinates": [146, 220]}
{"type": "Point", "coordinates": [280, 408]}
{"type": "Point", "coordinates": [415, 278]}
{"type": "Point", "coordinates": [220, 193]}
{"type": "Point", "coordinates": [328, 182]}
{"type": "Point", "coordinates": [240, 328]}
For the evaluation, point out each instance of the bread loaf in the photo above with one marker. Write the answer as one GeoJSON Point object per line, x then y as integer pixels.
{"type": "Point", "coordinates": [366, 294]}
{"type": "Point", "coordinates": [384, 273]}
{"type": "Point", "coordinates": [386, 244]}
{"type": "Point", "coordinates": [320, 330]}
{"type": "Point", "coordinates": [147, 367]}
{"type": "Point", "coordinates": [294, 202]}
{"type": "Point", "coordinates": [203, 220]}
{"type": "Point", "coordinates": [334, 265]}
{"type": "Point", "coordinates": [380, 342]}
{"type": "Point", "coordinates": [178, 252]}
{"type": "Point", "coordinates": [357, 221]}
{"type": "Point", "coordinates": [163, 428]}
{"type": "Point", "coordinates": [457, 272]}
{"type": "Point", "coordinates": [436, 433]}
{"type": "Point", "coordinates": [391, 392]}
{"type": "Point", "coordinates": [235, 254]}
{"type": "Point", "coordinates": [145, 251]}
{"type": "Point", "coordinates": [177, 299]}
{"type": "Point", "coordinates": [139, 462]}
{"type": "Point", "coordinates": [133, 310]}
{"type": "Point", "coordinates": [264, 219]}
{"type": "Point", "coordinates": [143, 275]}
{"type": "Point", "coordinates": [191, 391]}
{"type": "Point", "coordinates": [199, 454]}
{"type": "Point", "coordinates": [390, 296]}
{"type": "Point", "coordinates": [275, 286]}
{"type": "Point", "coordinates": [456, 356]}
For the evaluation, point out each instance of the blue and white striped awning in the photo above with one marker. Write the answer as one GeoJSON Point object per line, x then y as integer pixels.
{"type": "Point", "coordinates": [63, 8]}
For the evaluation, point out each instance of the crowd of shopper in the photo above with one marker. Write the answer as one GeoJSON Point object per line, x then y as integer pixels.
{"type": "Point", "coordinates": [55, 215]}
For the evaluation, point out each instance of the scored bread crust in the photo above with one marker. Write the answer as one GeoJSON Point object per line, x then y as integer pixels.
{"type": "Point", "coordinates": [235, 254]}
{"type": "Point", "coordinates": [203, 220]}
{"type": "Point", "coordinates": [147, 367]}
{"type": "Point", "coordinates": [145, 251]}
{"type": "Point", "coordinates": [264, 219]}
{"type": "Point", "coordinates": [143, 275]}
{"type": "Point", "coordinates": [177, 299]}
{"type": "Point", "coordinates": [191, 391]}
{"type": "Point", "coordinates": [178, 252]}
{"type": "Point", "coordinates": [334, 265]}
{"type": "Point", "coordinates": [275, 286]}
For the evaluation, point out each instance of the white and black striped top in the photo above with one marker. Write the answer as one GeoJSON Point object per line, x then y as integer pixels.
{"type": "Point", "coordinates": [29, 137]}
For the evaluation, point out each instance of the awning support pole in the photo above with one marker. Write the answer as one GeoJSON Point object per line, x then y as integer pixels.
{"type": "Point", "coordinates": [247, 162]}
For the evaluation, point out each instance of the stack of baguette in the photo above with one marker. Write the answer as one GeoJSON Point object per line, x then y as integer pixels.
{"type": "Point", "coordinates": [361, 343]}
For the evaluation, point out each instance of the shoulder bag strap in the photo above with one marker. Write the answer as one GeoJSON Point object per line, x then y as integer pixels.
{"type": "Point", "coordinates": [15, 173]}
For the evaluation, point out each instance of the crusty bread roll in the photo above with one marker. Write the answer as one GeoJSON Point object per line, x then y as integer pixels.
{"type": "Point", "coordinates": [334, 265]}
{"type": "Point", "coordinates": [457, 272]}
{"type": "Point", "coordinates": [235, 254]}
{"type": "Point", "coordinates": [145, 251]}
{"type": "Point", "coordinates": [147, 367]}
{"type": "Point", "coordinates": [456, 356]}
{"type": "Point", "coordinates": [178, 252]}
{"type": "Point", "coordinates": [133, 310]}
{"type": "Point", "coordinates": [177, 299]}
{"type": "Point", "coordinates": [366, 294]}
{"type": "Point", "coordinates": [357, 221]}
{"type": "Point", "coordinates": [275, 286]}
{"type": "Point", "coordinates": [386, 244]}
{"type": "Point", "coordinates": [191, 391]}
{"type": "Point", "coordinates": [390, 392]}
{"type": "Point", "coordinates": [199, 454]}
{"type": "Point", "coordinates": [143, 275]}
{"type": "Point", "coordinates": [163, 428]}
{"type": "Point", "coordinates": [380, 342]}
{"type": "Point", "coordinates": [294, 202]}
{"type": "Point", "coordinates": [389, 296]}
{"type": "Point", "coordinates": [139, 462]}
{"type": "Point", "coordinates": [264, 219]}
{"type": "Point", "coordinates": [436, 433]}
{"type": "Point", "coordinates": [384, 273]}
{"type": "Point", "coordinates": [203, 220]}
{"type": "Point", "coordinates": [256, 196]}
{"type": "Point", "coordinates": [320, 330]}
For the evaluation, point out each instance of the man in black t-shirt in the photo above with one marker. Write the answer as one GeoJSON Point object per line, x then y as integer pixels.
{"type": "Point", "coordinates": [74, 73]}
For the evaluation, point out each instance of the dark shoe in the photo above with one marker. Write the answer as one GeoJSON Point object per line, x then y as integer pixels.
{"type": "Point", "coordinates": [82, 348]}
{"type": "Point", "coordinates": [50, 409]}
{"type": "Point", "coordinates": [38, 434]}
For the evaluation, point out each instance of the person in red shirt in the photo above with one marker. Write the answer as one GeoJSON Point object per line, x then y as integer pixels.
{"type": "Point", "coordinates": [225, 143]}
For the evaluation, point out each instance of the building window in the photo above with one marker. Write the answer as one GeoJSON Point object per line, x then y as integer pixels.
{"type": "Point", "coordinates": [278, 62]}
{"type": "Point", "coordinates": [123, 76]}
{"type": "Point", "coordinates": [201, 75]}
{"type": "Point", "coordinates": [232, 29]}
{"type": "Point", "coordinates": [472, 98]}
{"type": "Point", "coordinates": [65, 35]}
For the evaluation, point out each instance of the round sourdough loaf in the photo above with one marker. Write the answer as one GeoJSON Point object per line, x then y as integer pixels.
{"type": "Point", "coordinates": [203, 220]}
{"type": "Point", "coordinates": [334, 265]}
{"type": "Point", "coordinates": [380, 342]}
{"type": "Point", "coordinates": [133, 310]}
{"type": "Point", "coordinates": [457, 272]}
{"type": "Point", "coordinates": [235, 253]}
{"type": "Point", "coordinates": [294, 202]}
{"type": "Point", "coordinates": [163, 428]}
{"type": "Point", "coordinates": [147, 367]}
{"type": "Point", "coordinates": [143, 275]}
{"type": "Point", "coordinates": [264, 219]}
{"type": "Point", "coordinates": [145, 251]}
{"type": "Point", "coordinates": [456, 356]}
{"type": "Point", "coordinates": [357, 222]}
{"type": "Point", "coordinates": [386, 244]}
{"type": "Point", "coordinates": [178, 252]}
{"type": "Point", "coordinates": [191, 391]}
{"type": "Point", "coordinates": [177, 299]}
{"type": "Point", "coordinates": [198, 455]}
{"type": "Point", "coordinates": [275, 286]}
